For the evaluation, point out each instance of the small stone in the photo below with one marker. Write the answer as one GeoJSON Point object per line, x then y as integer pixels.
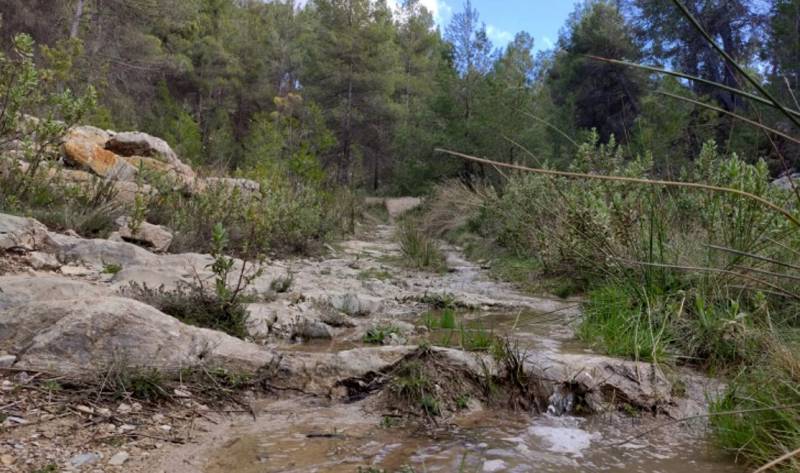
{"type": "Point", "coordinates": [126, 428]}
{"type": "Point", "coordinates": [42, 261]}
{"type": "Point", "coordinates": [491, 466]}
{"type": "Point", "coordinates": [83, 459]}
{"type": "Point", "coordinates": [158, 417]}
{"type": "Point", "coordinates": [119, 458]}
{"type": "Point", "coordinates": [7, 460]}
{"type": "Point", "coordinates": [85, 409]}
{"type": "Point", "coordinates": [136, 407]}
{"type": "Point", "coordinates": [7, 361]}
{"type": "Point", "coordinates": [123, 408]}
{"type": "Point", "coordinates": [182, 393]}
{"type": "Point", "coordinates": [165, 427]}
{"type": "Point", "coordinates": [104, 411]}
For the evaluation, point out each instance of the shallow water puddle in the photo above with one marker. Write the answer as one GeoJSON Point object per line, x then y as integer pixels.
{"type": "Point", "coordinates": [343, 438]}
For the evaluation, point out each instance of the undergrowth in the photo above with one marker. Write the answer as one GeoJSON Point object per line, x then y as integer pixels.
{"type": "Point", "coordinates": [669, 275]}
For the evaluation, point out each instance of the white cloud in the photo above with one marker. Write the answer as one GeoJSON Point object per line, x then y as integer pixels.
{"type": "Point", "coordinates": [498, 36]}
{"type": "Point", "coordinates": [439, 8]}
{"type": "Point", "coordinates": [547, 42]}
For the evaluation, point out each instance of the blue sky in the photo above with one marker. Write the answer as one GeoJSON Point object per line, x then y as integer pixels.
{"type": "Point", "coordinates": [541, 18]}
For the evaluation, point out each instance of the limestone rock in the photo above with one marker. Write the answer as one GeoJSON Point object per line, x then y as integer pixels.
{"type": "Point", "coordinates": [84, 146]}
{"type": "Point", "coordinates": [356, 304]}
{"type": "Point", "coordinates": [84, 336]}
{"type": "Point", "coordinates": [154, 237]}
{"type": "Point", "coordinates": [21, 289]}
{"type": "Point", "coordinates": [42, 261]}
{"type": "Point", "coordinates": [99, 252]}
{"type": "Point", "coordinates": [22, 233]}
{"type": "Point", "coordinates": [143, 145]}
{"type": "Point", "coordinates": [602, 382]}
{"type": "Point", "coordinates": [310, 328]}
{"type": "Point", "coordinates": [785, 182]}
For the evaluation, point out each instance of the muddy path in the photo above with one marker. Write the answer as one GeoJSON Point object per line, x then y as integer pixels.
{"type": "Point", "coordinates": [363, 278]}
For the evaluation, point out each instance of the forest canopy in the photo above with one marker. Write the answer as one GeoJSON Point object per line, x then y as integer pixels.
{"type": "Point", "coordinates": [366, 90]}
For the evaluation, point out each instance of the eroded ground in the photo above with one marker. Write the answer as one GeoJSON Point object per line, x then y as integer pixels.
{"type": "Point", "coordinates": [326, 405]}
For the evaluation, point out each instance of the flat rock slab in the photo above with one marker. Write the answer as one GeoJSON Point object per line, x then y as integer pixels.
{"type": "Point", "coordinates": [22, 289]}
{"type": "Point", "coordinates": [85, 336]}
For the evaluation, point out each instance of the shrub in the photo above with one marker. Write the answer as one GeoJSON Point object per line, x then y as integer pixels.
{"type": "Point", "coordinates": [221, 308]}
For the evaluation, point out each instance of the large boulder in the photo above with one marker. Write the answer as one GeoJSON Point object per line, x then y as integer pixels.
{"type": "Point", "coordinates": [84, 337]}
{"type": "Point", "coordinates": [98, 252]}
{"type": "Point", "coordinates": [20, 290]}
{"type": "Point", "coordinates": [601, 382]}
{"type": "Point", "coordinates": [20, 233]}
{"type": "Point", "coordinates": [84, 146]}
{"type": "Point", "coordinates": [785, 182]}
{"type": "Point", "coordinates": [141, 145]}
{"type": "Point", "coordinates": [153, 237]}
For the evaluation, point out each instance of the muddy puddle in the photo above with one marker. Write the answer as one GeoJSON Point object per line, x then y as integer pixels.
{"type": "Point", "coordinates": [345, 438]}
{"type": "Point", "coordinates": [351, 438]}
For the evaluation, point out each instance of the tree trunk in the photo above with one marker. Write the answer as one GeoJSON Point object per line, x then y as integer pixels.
{"type": "Point", "coordinates": [76, 20]}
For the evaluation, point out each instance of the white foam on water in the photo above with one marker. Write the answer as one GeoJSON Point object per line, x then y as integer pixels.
{"type": "Point", "coordinates": [563, 439]}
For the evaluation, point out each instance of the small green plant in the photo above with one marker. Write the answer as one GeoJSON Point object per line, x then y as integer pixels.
{"type": "Point", "coordinates": [112, 268]}
{"type": "Point", "coordinates": [282, 284]}
{"type": "Point", "coordinates": [443, 319]}
{"type": "Point", "coordinates": [373, 273]}
{"type": "Point", "coordinates": [462, 401]}
{"type": "Point", "coordinates": [379, 334]}
{"type": "Point", "coordinates": [52, 385]}
{"type": "Point", "coordinates": [145, 384]}
{"type": "Point", "coordinates": [49, 468]}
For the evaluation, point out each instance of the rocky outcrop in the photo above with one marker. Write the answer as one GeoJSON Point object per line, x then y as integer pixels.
{"type": "Point", "coordinates": [19, 290]}
{"type": "Point", "coordinates": [84, 146]}
{"type": "Point", "coordinates": [599, 382]}
{"type": "Point", "coordinates": [148, 151]}
{"type": "Point", "coordinates": [785, 182]}
{"type": "Point", "coordinates": [98, 252]}
{"type": "Point", "coordinates": [153, 237]}
{"type": "Point", "coordinates": [84, 337]}
{"type": "Point", "coordinates": [23, 234]}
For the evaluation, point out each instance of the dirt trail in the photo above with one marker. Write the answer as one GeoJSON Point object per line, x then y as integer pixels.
{"type": "Point", "coordinates": [320, 434]}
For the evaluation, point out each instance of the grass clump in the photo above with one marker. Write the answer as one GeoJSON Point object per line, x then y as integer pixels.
{"type": "Point", "coordinates": [412, 384]}
{"type": "Point", "coordinates": [617, 321]}
{"type": "Point", "coordinates": [419, 250]}
{"type": "Point", "coordinates": [758, 417]}
{"type": "Point", "coordinates": [282, 284]}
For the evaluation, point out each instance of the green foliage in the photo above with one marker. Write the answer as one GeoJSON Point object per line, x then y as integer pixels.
{"type": "Point", "coordinates": [758, 416]}
{"type": "Point", "coordinates": [145, 384]}
{"type": "Point", "coordinates": [221, 308]}
{"type": "Point", "coordinates": [193, 305]}
{"type": "Point", "coordinates": [111, 268]}
{"type": "Point", "coordinates": [618, 321]}
{"type": "Point", "coordinates": [379, 334]}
